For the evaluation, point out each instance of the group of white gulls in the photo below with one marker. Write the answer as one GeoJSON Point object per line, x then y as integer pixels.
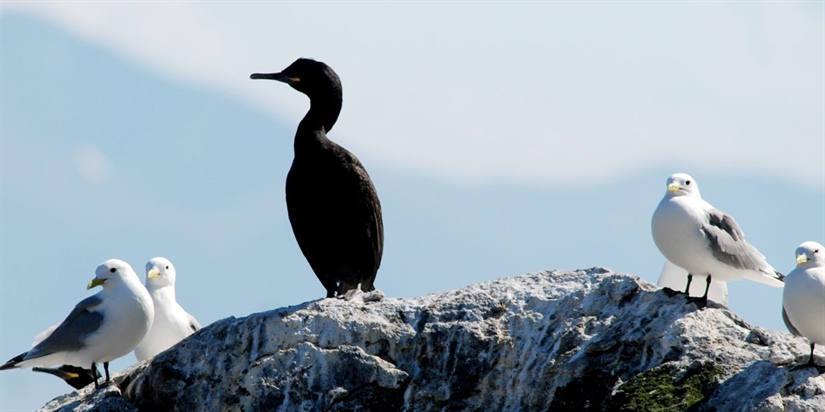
{"type": "Point", "coordinates": [699, 242]}
{"type": "Point", "coordinates": [702, 242]}
{"type": "Point", "coordinates": [123, 317]}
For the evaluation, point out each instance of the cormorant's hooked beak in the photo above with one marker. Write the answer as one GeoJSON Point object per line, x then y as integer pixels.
{"type": "Point", "coordinates": [153, 273]}
{"type": "Point", "coordinates": [95, 282]}
{"type": "Point", "coordinates": [673, 187]}
{"type": "Point", "coordinates": [801, 258]}
{"type": "Point", "coordinates": [275, 76]}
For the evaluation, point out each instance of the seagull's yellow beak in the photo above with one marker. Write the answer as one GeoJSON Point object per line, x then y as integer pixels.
{"type": "Point", "coordinates": [801, 258]}
{"type": "Point", "coordinates": [95, 282]}
{"type": "Point", "coordinates": [153, 273]}
{"type": "Point", "coordinates": [673, 187]}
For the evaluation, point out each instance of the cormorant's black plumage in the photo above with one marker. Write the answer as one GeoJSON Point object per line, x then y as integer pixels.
{"type": "Point", "coordinates": [331, 201]}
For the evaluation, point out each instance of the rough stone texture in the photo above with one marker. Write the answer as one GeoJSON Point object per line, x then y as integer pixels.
{"type": "Point", "coordinates": [557, 340]}
{"type": "Point", "coordinates": [107, 399]}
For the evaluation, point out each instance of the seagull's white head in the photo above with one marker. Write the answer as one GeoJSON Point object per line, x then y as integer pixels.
{"type": "Point", "coordinates": [681, 184]}
{"type": "Point", "coordinates": [159, 273]}
{"type": "Point", "coordinates": [111, 273]}
{"type": "Point", "coordinates": [810, 254]}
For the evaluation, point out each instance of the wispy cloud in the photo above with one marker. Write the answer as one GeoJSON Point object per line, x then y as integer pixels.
{"type": "Point", "coordinates": [93, 164]}
{"type": "Point", "coordinates": [538, 93]}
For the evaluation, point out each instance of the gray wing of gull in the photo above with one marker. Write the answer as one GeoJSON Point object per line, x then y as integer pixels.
{"type": "Point", "coordinates": [727, 242]}
{"type": "Point", "coordinates": [71, 334]}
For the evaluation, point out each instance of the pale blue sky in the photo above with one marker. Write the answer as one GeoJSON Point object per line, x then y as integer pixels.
{"type": "Point", "coordinates": [553, 82]}
{"type": "Point", "coordinates": [503, 138]}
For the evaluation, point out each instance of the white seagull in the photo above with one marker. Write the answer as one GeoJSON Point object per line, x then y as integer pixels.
{"type": "Point", "coordinates": [172, 323]}
{"type": "Point", "coordinates": [705, 241]}
{"type": "Point", "coordinates": [101, 328]}
{"type": "Point", "coordinates": [803, 300]}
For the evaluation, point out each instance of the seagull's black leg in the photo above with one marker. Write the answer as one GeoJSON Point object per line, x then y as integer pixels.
{"type": "Point", "coordinates": [810, 363]}
{"type": "Point", "coordinates": [671, 292]}
{"type": "Point", "coordinates": [703, 301]}
{"type": "Point", "coordinates": [106, 369]}
{"type": "Point", "coordinates": [95, 373]}
{"type": "Point", "coordinates": [707, 288]}
{"type": "Point", "coordinates": [811, 359]}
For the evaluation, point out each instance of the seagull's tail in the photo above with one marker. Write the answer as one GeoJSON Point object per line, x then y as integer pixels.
{"type": "Point", "coordinates": [12, 363]}
{"type": "Point", "coordinates": [774, 279]}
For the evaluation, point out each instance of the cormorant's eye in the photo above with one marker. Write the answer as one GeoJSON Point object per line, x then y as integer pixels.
{"type": "Point", "coordinates": [113, 270]}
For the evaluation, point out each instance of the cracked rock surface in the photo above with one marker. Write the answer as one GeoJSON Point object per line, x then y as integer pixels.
{"type": "Point", "coordinates": [555, 340]}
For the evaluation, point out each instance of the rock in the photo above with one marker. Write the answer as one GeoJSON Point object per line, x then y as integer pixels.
{"type": "Point", "coordinates": [108, 398]}
{"type": "Point", "coordinates": [557, 340]}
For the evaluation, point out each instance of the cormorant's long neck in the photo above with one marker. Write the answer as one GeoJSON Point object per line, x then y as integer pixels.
{"type": "Point", "coordinates": [322, 115]}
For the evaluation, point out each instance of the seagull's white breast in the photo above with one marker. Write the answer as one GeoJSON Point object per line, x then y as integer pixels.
{"type": "Point", "coordinates": [804, 302]}
{"type": "Point", "coordinates": [170, 326]}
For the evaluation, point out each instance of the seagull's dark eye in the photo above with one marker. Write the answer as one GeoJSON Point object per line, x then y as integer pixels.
{"type": "Point", "coordinates": [113, 270]}
{"type": "Point", "coordinates": [816, 251]}
{"type": "Point", "coordinates": [688, 183]}
{"type": "Point", "coordinates": [167, 268]}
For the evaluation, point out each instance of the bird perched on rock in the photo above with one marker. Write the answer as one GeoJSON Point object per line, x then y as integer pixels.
{"type": "Point", "coordinates": [331, 201]}
{"type": "Point", "coordinates": [803, 300]}
{"type": "Point", "coordinates": [705, 241]}
{"type": "Point", "coordinates": [101, 328]}
{"type": "Point", "coordinates": [171, 323]}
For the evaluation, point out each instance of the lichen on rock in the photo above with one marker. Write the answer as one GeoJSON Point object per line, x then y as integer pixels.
{"type": "Point", "coordinates": [666, 388]}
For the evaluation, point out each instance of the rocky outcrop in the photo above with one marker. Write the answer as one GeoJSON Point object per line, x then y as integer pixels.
{"type": "Point", "coordinates": [557, 340]}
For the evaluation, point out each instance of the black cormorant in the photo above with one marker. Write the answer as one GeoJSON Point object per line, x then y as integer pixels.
{"type": "Point", "coordinates": [331, 201]}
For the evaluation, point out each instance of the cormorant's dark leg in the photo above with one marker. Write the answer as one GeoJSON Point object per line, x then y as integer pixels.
{"type": "Point", "coordinates": [106, 369]}
{"type": "Point", "coordinates": [367, 284]}
{"type": "Point", "coordinates": [345, 287]}
{"type": "Point", "coordinates": [94, 373]}
{"type": "Point", "coordinates": [687, 288]}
